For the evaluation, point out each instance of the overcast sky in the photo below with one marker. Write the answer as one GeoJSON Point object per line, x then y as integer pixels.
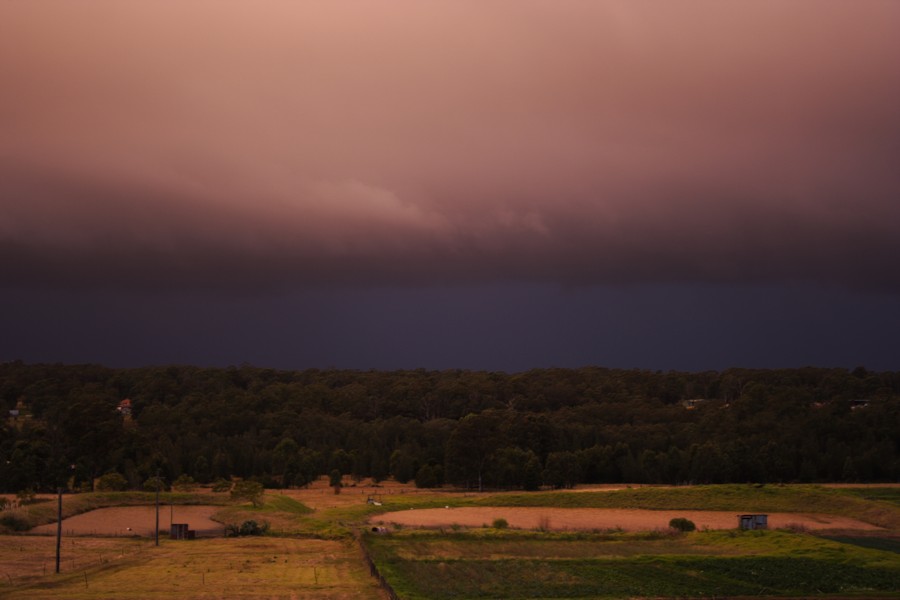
{"type": "Point", "coordinates": [496, 185]}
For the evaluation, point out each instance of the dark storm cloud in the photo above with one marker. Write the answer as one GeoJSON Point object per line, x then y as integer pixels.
{"type": "Point", "coordinates": [280, 143]}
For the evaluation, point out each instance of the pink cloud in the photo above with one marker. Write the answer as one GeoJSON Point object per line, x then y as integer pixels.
{"type": "Point", "coordinates": [604, 142]}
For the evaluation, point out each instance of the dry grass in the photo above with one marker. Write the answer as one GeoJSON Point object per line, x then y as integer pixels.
{"type": "Point", "coordinates": [209, 569]}
{"type": "Point", "coordinates": [300, 567]}
{"type": "Point", "coordinates": [27, 559]}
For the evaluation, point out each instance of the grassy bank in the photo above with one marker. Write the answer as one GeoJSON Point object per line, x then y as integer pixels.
{"type": "Point", "coordinates": [283, 514]}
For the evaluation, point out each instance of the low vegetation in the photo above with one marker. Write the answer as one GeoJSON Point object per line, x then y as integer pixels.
{"type": "Point", "coordinates": [257, 567]}
{"type": "Point", "coordinates": [246, 528]}
{"type": "Point", "coordinates": [682, 524]}
{"type": "Point", "coordinates": [489, 563]}
{"type": "Point", "coordinates": [312, 553]}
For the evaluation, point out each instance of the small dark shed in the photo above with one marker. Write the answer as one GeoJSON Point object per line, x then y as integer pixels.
{"type": "Point", "coordinates": [753, 521]}
{"type": "Point", "coordinates": [180, 531]}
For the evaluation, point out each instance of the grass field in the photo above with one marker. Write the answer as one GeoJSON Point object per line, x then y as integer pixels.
{"type": "Point", "coordinates": [884, 494]}
{"type": "Point", "coordinates": [488, 563]}
{"type": "Point", "coordinates": [267, 567]}
{"type": "Point", "coordinates": [502, 564]}
{"type": "Point", "coordinates": [311, 552]}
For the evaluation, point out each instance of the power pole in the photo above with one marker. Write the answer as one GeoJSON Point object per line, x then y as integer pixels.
{"type": "Point", "coordinates": [157, 507]}
{"type": "Point", "coordinates": [58, 524]}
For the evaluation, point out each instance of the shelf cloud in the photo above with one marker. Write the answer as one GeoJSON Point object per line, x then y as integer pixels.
{"type": "Point", "coordinates": [283, 144]}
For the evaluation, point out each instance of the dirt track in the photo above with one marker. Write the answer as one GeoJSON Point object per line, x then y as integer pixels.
{"type": "Point", "coordinates": [137, 520]}
{"type": "Point", "coordinates": [603, 518]}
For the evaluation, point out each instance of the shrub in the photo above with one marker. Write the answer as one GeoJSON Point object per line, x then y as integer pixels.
{"type": "Point", "coordinates": [25, 496]}
{"type": "Point", "coordinates": [247, 528]}
{"type": "Point", "coordinates": [112, 482]}
{"type": "Point", "coordinates": [14, 522]}
{"type": "Point", "coordinates": [221, 485]}
{"type": "Point", "coordinates": [184, 483]}
{"type": "Point", "coordinates": [151, 484]}
{"type": "Point", "coordinates": [682, 524]}
{"type": "Point", "coordinates": [500, 523]}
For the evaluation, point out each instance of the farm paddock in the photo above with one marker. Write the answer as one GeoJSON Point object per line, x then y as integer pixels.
{"type": "Point", "coordinates": [313, 533]}
{"type": "Point", "coordinates": [137, 521]}
{"type": "Point", "coordinates": [211, 569]}
{"type": "Point", "coordinates": [599, 519]}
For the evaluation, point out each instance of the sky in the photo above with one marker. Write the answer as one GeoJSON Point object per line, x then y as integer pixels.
{"type": "Point", "coordinates": [498, 185]}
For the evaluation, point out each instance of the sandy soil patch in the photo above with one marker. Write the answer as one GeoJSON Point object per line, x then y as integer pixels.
{"type": "Point", "coordinates": [603, 518]}
{"type": "Point", "coordinates": [138, 520]}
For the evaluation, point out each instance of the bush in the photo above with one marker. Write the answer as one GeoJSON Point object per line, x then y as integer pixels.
{"type": "Point", "coordinates": [184, 483]}
{"type": "Point", "coordinates": [221, 485]}
{"type": "Point", "coordinates": [15, 523]}
{"type": "Point", "coordinates": [246, 528]}
{"type": "Point", "coordinates": [112, 482]}
{"type": "Point", "coordinates": [500, 523]}
{"type": "Point", "coordinates": [682, 524]}
{"type": "Point", "coordinates": [151, 484]}
{"type": "Point", "coordinates": [25, 496]}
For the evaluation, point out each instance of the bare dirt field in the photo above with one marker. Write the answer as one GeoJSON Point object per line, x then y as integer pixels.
{"type": "Point", "coordinates": [588, 519]}
{"type": "Point", "coordinates": [138, 520]}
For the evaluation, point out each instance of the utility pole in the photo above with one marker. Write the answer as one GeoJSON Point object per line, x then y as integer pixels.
{"type": "Point", "coordinates": [157, 507]}
{"type": "Point", "coordinates": [58, 524]}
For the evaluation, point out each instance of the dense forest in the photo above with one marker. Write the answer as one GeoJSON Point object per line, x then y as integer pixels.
{"type": "Point", "coordinates": [66, 426]}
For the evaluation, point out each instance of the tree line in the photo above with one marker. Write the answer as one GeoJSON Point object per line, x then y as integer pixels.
{"type": "Point", "coordinates": [475, 429]}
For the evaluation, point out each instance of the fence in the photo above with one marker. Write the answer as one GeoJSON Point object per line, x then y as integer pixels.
{"type": "Point", "coordinates": [374, 570]}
